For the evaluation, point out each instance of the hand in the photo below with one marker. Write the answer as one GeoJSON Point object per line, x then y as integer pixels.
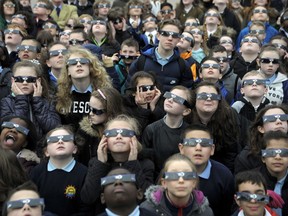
{"type": "Point", "coordinates": [135, 22]}
{"type": "Point", "coordinates": [133, 149]}
{"type": "Point", "coordinates": [29, 155]}
{"type": "Point", "coordinates": [102, 150]}
{"type": "Point", "coordinates": [155, 7]}
{"type": "Point", "coordinates": [124, 27]}
{"type": "Point", "coordinates": [140, 100]}
{"type": "Point", "coordinates": [15, 89]}
{"type": "Point", "coordinates": [107, 61]}
{"type": "Point", "coordinates": [115, 57]}
{"type": "Point", "coordinates": [112, 28]}
{"type": "Point", "coordinates": [276, 201]}
{"type": "Point", "coordinates": [173, 14]}
{"type": "Point", "coordinates": [37, 88]}
{"type": "Point", "coordinates": [155, 99]}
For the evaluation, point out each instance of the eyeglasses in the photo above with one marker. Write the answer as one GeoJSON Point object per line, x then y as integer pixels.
{"type": "Point", "coordinates": [127, 57]}
{"type": "Point", "coordinates": [123, 178]}
{"type": "Point", "coordinates": [176, 99]}
{"type": "Point", "coordinates": [273, 152]}
{"type": "Point", "coordinates": [74, 42]}
{"type": "Point", "coordinates": [145, 88]}
{"type": "Point", "coordinates": [27, 48]}
{"type": "Point", "coordinates": [166, 11]}
{"type": "Point", "coordinates": [257, 31]}
{"type": "Point", "coordinates": [260, 11]}
{"type": "Point", "coordinates": [250, 82]}
{"type": "Point", "coordinates": [176, 175]}
{"type": "Point", "coordinates": [100, 22]}
{"type": "Point", "coordinates": [20, 16]}
{"type": "Point", "coordinates": [149, 20]}
{"type": "Point", "coordinates": [168, 33]}
{"type": "Point", "coordinates": [269, 60]}
{"type": "Point", "coordinates": [118, 20]}
{"type": "Point", "coordinates": [12, 31]}
{"type": "Point", "coordinates": [64, 33]}
{"type": "Point", "coordinates": [64, 138]}
{"type": "Point", "coordinates": [22, 79]}
{"type": "Point", "coordinates": [78, 60]}
{"type": "Point", "coordinates": [18, 204]}
{"type": "Point", "coordinates": [96, 111]}
{"type": "Point", "coordinates": [205, 96]}
{"type": "Point", "coordinates": [191, 24]}
{"type": "Point", "coordinates": [212, 15]}
{"type": "Point", "coordinates": [18, 127]}
{"type": "Point", "coordinates": [197, 32]}
{"type": "Point", "coordinates": [251, 40]}
{"type": "Point", "coordinates": [135, 6]}
{"type": "Point", "coordinates": [189, 39]}
{"type": "Point", "coordinates": [104, 6]}
{"type": "Point", "coordinates": [203, 142]}
{"type": "Point", "coordinates": [245, 196]}
{"type": "Point", "coordinates": [226, 42]}
{"type": "Point", "coordinates": [58, 52]}
{"type": "Point", "coordinates": [273, 118]}
{"type": "Point", "coordinates": [214, 66]}
{"type": "Point", "coordinates": [52, 26]}
{"type": "Point", "coordinates": [83, 21]}
{"type": "Point", "coordinates": [9, 5]}
{"type": "Point", "coordinates": [123, 132]}
{"type": "Point", "coordinates": [40, 5]}
{"type": "Point", "coordinates": [280, 46]}
{"type": "Point", "coordinates": [222, 59]}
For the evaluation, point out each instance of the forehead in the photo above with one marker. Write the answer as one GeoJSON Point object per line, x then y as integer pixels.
{"type": "Point", "coordinates": [187, 34]}
{"type": "Point", "coordinates": [220, 54]}
{"type": "Point", "coordinates": [178, 165]}
{"type": "Point", "coordinates": [197, 134]}
{"type": "Point", "coordinates": [253, 77]}
{"type": "Point", "coordinates": [118, 171]}
{"type": "Point", "coordinates": [57, 47]}
{"type": "Point", "coordinates": [180, 93]}
{"type": "Point", "coordinates": [270, 53]}
{"type": "Point", "coordinates": [59, 132]}
{"type": "Point", "coordinates": [259, 8]}
{"type": "Point", "coordinates": [282, 42]}
{"type": "Point", "coordinates": [277, 143]}
{"type": "Point", "coordinates": [75, 55]}
{"type": "Point", "coordinates": [250, 187]}
{"type": "Point", "coordinates": [25, 71]}
{"type": "Point", "coordinates": [169, 27]}
{"type": "Point", "coordinates": [144, 80]}
{"type": "Point", "coordinates": [166, 7]}
{"type": "Point", "coordinates": [210, 62]}
{"type": "Point", "coordinates": [24, 194]}
{"type": "Point", "coordinates": [119, 124]}
{"type": "Point", "coordinates": [130, 48]}
{"type": "Point", "coordinates": [28, 42]}
{"type": "Point", "coordinates": [207, 89]}
{"type": "Point", "coordinates": [190, 20]}
{"type": "Point", "coordinates": [77, 35]}
{"type": "Point", "coordinates": [257, 27]}
{"type": "Point", "coordinates": [274, 111]}
{"type": "Point", "coordinates": [18, 121]}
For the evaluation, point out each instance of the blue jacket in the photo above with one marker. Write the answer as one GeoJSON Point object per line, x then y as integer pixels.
{"type": "Point", "coordinates": [168, 75]}
{"type": "Point", "coordinates": [270, 32]}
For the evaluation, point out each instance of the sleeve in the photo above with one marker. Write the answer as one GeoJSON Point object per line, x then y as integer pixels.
{"type": "Point", "coordinates": [186, 76]}
{"type": "Point", "coordinates": [132, 70]}
{"type": "Point", "coordinates": [17, 106]}
{"type": "Point", "coordinates": [114, 76]}
{"type": "Point", "coordinates": [45, 114]}
{"type": "Point", "coordinates": [74, 13]}
{"type": "Point", "coordinates": [147, 137]}
{"type": "Point", "coordinates": [91, 189]}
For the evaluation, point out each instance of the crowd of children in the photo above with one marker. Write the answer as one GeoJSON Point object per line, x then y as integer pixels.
{"type": "Point", "coordinates": [138, 107]}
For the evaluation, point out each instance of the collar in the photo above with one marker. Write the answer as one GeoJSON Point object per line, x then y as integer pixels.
{"type": "Point", "coordinates": [281, 181]}
{"type": "Point", "coordinates": [52, 77]}
{"type": "Point", "coordinates": [164, 119]}
{"type": "Point", "coordinates": [154, 32]}
{"type": "Point", "coordinates": [271, 79]}
{"type": "Point", "coordinates": [60, 6]}
{"type": "Point", "coordinates": [89, 89]}
{"type": "Point", "coordinates": [136, 212]}
{"type": "Point", "coordinates": [67, 168]}
{"type": "Point", "coordinates": [206, 173]}
{"type": "Point", "coordinates": [101, 43]}
{"type": "Point", "coordinates": [159, 57]}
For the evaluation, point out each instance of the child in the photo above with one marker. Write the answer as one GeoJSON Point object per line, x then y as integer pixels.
{"type": "Point", "coordinates": [191, 23]}
{"type": "Point", "coordinates": [258, 28]}
{"type": "Point", "coordinates": [198, 146]}
{"type": "Point", "coordinates": [149, 29]}
{"type": "Point", "coordinates": [177, 194]}
{"type": "Point", "coordinates": [60, 178]}
{"type": "Point", "coordinates": [129, 51]}
{"type": "Point", "coordinates": [104, 104]}
{"type": "Point", "coordinates": [253, 91]}
{"type": "Point", "coordinates": [126, 202]}
{"type": "Point", "coordinates": [251, 195]}
{"type": "Point", "coordinates": [269, 61]}
{"type": "Point", "coordinates": [118, 147]}
{"type": "Point", "coordinates": [199, 48]}
{"type": "Point", "coordinates": [135, 10]}
{"type": "Point", "coordinates": [163, 136]}
{"type": "Point", "coordinates": [275, 168]}
{"type": "Point", "coordinates": [30, 98]}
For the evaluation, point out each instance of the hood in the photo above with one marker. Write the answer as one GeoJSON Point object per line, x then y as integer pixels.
{"type": "Point", "coordinates": [154, 194]}
{"type": "Point", "coordinates": [94, 131]}
{"type": "Point", "coordinates": [280, 78]}
{"type": "Point", "coordinates": [186, 55]}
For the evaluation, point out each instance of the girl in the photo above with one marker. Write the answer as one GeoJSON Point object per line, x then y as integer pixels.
{"type": "Point", "coordinates": [269, 61]}
{"type": "Point", "coordinates": [199, 50]}
{"type": "Point", "coordinates": [105, 104]}
{"type": "Point", "coordinates": [101, 36]}
{"type": "Point", "coordinates": [19, 135]}
{"type": "Point", "coordinates": [188, 8]}
{"type": "Point", "coordinates": [177, 194]}
{"type": "Point", "coordinates": [142, 99]}
{"type": "Point", "coordinates": [86, 20]}
{"type": "Point", "coordinates": [250, 156]}
{"type": "Point", "coordinates": [82, 74]}
{"type": "Point", "coordinates": [101, 8]}
{"type": "Point", "coordinates": [7, 9]}
{"type": "Point", "coordinates": [191, 23]}
{"type": "Point", "coordinates": [29, 98]}
{"type": "Point", "coordinates": [118, 147]}
{"type": "Point", "coordinates": [211, 110]}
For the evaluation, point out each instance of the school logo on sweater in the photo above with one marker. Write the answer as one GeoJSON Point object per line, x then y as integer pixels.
{"type": "Point", "coordinates": [70, 191]}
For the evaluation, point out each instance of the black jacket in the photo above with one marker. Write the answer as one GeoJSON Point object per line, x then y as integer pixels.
{"type": "Point", "coordinates": [241, 67]}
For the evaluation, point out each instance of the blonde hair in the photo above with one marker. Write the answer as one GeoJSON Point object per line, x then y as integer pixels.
{"type": "Point", "coordinates": [253, 73]}
{"type": "Point", "coordinates": [98, 75]}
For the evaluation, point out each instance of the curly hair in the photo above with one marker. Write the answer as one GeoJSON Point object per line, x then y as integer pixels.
{"type": "Point", "coordinates": [223, 122]}
{"type": "Point", "coordinates": [98, 75]}
{"type": "Point", "coordinates": [256, 137]}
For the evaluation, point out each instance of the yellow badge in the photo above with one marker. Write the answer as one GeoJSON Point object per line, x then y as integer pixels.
{"type": "Point", "coordinates": [70, 191]}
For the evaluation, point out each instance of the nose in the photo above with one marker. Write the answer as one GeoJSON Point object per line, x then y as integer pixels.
{"type": "Point", "coordinates": [118, 182]}
{"type": "Point", "coordinates": [26, 207]}
{"type": "Point", "coordinates": [181, 179]}
{"type": "Point", "coordinates": [198, 146]}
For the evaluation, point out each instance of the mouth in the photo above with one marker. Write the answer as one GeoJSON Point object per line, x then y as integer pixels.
{"type": "Point", "coordinates": [60, 148]}
{"type": "Point", "coordinates": [25, 56]}
{"type": "Point", "coordinates": [198, 156]}
{"type": "Point", "coordinates": [10, 139]}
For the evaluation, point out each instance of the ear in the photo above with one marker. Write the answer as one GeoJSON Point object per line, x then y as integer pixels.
{"type": "Point", "coordinates": [237, 201]}
{"type": "Point", "coordinates": [140, 194]}
{"type": "Point", "coordinates": [38, 56]}
{"type": "Point", "coordinates": [158, 35]}
{"type": "Point", "coordinates": [48, 12]}
{"type": "Point", "coordinates": [242, 91]}
{"type": "Point", "coordinates": [48, 63]}
{"type": "Point", "coordinates": [75, 149]}
{"type": "Point", "coordinates": [186, 112]}
{"type": "Point", "coordinates": [261, 129]}
{"type": "Point", "coordinates": [163, 183]}
{"type": "Point", "coordinates": [212, 150]}
{"type": "Point", "coordinates": [181, 148]}
{"type": "Point", "coordinates": [263, 160]}
{"type": "Point", "coordinates": [46, 152]}
{"type": "Point", "coordinates": [258, 61]}
{"type": "Point", "coordinates": [102, 198]}
{"type": "Point", "coordinates": [200, 75]}
{"type": "Point", "coordinates": [266, 90]}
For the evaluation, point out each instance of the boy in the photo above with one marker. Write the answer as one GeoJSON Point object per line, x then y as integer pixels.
{"type": "Point", "coordinates": [42, 10]}
{"type": "Point", "coordinates": [253, 90]}
{"type": "Point", "coordinates": [128, 53]}
{"type": "Point", "coordinates": [125, 202]}
{"type": "Point", "coordinates": [198, 146]}
{"type": "Point", "coordinates": [60, 179]}
{"type": "Point", "coordinates": [149, 30]}
{"type": "Point", "coordinates": [29, 49]}
{"type": "Point", "coordinates": [275, 165]}
{"type": "Point", "coordinates": [258, 28]}
{"type": "Point", "coordinates": [251, 195]}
